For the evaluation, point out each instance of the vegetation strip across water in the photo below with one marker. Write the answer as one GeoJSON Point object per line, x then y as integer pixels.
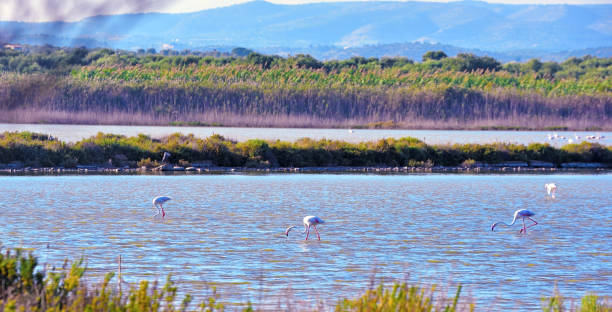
{"type": "Point", "coordinates": [18, 149]}
{"type": "Point", "coordinates": [76, 85]}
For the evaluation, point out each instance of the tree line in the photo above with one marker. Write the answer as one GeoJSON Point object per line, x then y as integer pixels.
{"type": "Point", "coordinates": [37, 59]}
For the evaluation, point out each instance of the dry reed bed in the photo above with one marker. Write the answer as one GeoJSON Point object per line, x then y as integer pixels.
{"type": "Point", "coordinates": [463, 92]}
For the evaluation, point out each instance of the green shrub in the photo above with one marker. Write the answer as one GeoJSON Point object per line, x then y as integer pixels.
{"type": "Point", "coordinates": [37, 150]}
{"type": "Point", "coordinates": [400, 298]}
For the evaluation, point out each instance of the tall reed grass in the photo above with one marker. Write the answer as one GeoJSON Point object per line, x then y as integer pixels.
{"type": "Point", "coordinates": [109, 88]}
{"type": "Point", "coordinates": [45, 116]}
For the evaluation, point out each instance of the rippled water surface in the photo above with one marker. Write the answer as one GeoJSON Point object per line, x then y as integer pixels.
{"type": "Point", "coordinates": [73, 133]}
{"type": "Point", "coordinates": [228, 230]}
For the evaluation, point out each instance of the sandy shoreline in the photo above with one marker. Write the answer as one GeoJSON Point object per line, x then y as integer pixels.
{"type": "Point", "coordinates": [578, 168]}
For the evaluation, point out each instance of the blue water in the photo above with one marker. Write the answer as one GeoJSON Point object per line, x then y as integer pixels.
{"type": "Point", "coordinates": [73, 133]}
{"type": "Point", "coordinates": [227, 231]}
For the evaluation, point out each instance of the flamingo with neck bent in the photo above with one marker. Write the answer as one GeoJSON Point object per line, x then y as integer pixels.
{"type": "Point", "coordinates": [523, 213]}
{"type": "Point", "coordinates": [308, 222]}
{"type": "Point", "coordinates": [160, 200]}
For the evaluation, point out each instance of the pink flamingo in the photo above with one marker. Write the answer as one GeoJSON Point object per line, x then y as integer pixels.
{"type": "Point", "coordinates": [308, 222]}
{"type": "Point", "coordinates": [524, 213]}
{"type": "Point", "coordinates": [160, 200]}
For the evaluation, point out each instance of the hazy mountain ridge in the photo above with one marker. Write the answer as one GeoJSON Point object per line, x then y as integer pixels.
{"type": "Point", "coordinates": [345, 27]}
{"type": "Point", "coordinates": [415, 51]}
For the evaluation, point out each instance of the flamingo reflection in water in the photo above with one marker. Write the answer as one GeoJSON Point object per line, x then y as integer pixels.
{"type": "Point", "coordinates": [551, 188]}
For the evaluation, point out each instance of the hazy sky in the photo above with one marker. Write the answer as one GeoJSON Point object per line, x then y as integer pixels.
{"type": "Point", "coordinates": [46, 10]}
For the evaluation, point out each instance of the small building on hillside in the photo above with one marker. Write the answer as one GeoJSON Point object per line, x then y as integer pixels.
{"type": "Point", "coordinates": [11, 46]}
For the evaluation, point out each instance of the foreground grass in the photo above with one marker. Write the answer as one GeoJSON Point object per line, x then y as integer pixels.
{"type": "Point", "coordinates": [24, 288]}
{"type": "Point", "coordinates": [40, 150]}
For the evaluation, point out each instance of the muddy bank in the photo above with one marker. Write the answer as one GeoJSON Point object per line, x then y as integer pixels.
{"type": "Point", "coordinates": [482, 168]}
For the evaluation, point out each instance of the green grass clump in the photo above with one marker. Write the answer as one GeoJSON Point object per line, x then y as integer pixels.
{"type": "Point", "coordinates": [589, 303]}
{"type": "Point", "coordinates": [22, 288]}
{"type": "Point", "coordinates": [400, 298]}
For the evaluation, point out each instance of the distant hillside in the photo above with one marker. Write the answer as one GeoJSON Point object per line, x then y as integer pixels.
{"type": "Point", "coordinates": [345, 25]}
{"type": "Point", "coordinates": [416, 50]}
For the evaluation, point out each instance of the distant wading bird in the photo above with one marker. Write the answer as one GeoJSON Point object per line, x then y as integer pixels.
{"type": "Point", "coordinates": [160, 200]}
{"type": "Point", "coordinates": [523, 213]}
{"type": "Point", "coordinates": [551, 188]}
{"type": "Point", "coordinates": [308, 222]}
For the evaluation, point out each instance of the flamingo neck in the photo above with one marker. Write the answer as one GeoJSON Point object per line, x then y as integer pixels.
{"type": "Point", "coordinates": [504, 223]}
{"type": "Point", "coordinates": [514, 220]}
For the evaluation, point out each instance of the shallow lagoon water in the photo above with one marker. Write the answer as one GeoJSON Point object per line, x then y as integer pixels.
{"type": "Point", "coordinates": [73, 133]}
{"type": "Point", "coordinates": [228, 230]}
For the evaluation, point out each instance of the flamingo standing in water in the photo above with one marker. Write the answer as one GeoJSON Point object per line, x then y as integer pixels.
{"type": "Point", "coordinates": [308, 222]}
{"type": "Point", "coordinates": [523, 213]}
{"type": "Point", "coordinates": [551, 188]}
{"type": "Point", "coordinates": [160, 200]}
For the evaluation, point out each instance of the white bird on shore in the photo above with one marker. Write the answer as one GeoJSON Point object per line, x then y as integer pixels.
{"type": "Point", "coordinates": [308, 222]}
{"type": "Point", "coordinates": [523, 213]}
{"type": "Point", "coordinates": [160, 200]}
{"type": "Point", "coordinates": [551, 188]}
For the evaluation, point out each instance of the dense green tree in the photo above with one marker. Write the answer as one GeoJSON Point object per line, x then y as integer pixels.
{"type": "Point", "coordinates": [470, 62]}
{"type": "Point", "coordinates": [434, 55]}
{"type": "Point", "coordinates": [306, 61]}
{"type": "Point", "coordinates": [265, 61]}
{"type": "Point", "coordinates": [533, 65]}
{"type": "Point", "coordinates": [241, 52]}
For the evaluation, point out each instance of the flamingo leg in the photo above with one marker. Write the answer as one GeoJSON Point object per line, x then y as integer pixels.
{"type": "Point", "coordinates": [524, 229]}
{"type": "Point", "coordinates": [162, 210]}
{"type": "Point", "coordinates": [307, 232]}
{"type": "Point", "coordinates": [317, 231]}
{"type": "Point", "coordinates": [534, 222]}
